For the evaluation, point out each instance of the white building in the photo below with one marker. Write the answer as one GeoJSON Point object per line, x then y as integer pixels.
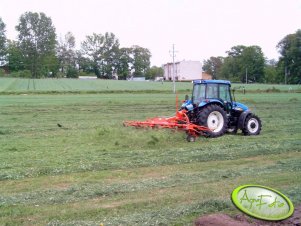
{"type": "Point", "coordinates": [184, 71]}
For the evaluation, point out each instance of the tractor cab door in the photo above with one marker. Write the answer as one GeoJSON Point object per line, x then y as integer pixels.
{"type": "Point", "coordinates": [225, 96]}
{"type": "Point", "coordinates": [198, 94]}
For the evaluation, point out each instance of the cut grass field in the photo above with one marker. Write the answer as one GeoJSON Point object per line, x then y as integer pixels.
{"type": "Point", "coordinates": [92, 170]}
{"type": "Point", "coordinates": [17, 86]}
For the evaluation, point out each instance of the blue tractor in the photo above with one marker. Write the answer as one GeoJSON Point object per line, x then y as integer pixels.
{"type": "Point", "coordinates": [212, 106]}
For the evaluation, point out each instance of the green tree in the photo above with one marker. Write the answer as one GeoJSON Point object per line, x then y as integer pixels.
{"type": "Point", "coordinates": [71, 72]}
{"type": "Point", "coordinates": [253, 61]}
{"type": "Point", "coordinates": [84, 63]}
{"type": "Point", "coordinates": [232, 67]}
{"type": "Point", "coordinates": [14, 57]}
{"type": "Point", "coordinates": [110, 55]}
{"type": "Point", "coordinates": [102, 50]}
{"type": "Point", "coordinates": [66, 53]}
{"type": "Point", "coordinates": [140, 60]}
{"type": "Point", "coordinates": [270, 72]}
{"type": "Point", "coordinates": [2, 41]}
{"type": "Point", "coordinates": [154, 72]}
{"type": "Point", "coordinates": [124, 63]}
{"type": "Point", "coordinates": [50, 65]}
{"type": "Point", "coordinates": [92, 49]}
{"type": "Point", "coordinates": [289, 65]}
{"type": "Point", "coordinates": [244, 62]}
{"type": "Point", "coordinates": [236, 51]}
{"type": "Point", "coordinates": [37, 40]}
{"type": "Point", "coordinates": [213, 66]}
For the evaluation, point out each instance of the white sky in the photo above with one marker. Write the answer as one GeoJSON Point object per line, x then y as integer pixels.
{"type": "Point", "coordinates": [198, 28]}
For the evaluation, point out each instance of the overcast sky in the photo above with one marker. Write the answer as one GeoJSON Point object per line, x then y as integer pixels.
{"type": "Point", "coordinates": [198, 28]}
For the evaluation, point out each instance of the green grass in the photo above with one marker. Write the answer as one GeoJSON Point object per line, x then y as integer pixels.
{"type": "Point", "coordinates": [93, 170]}
{"type": "Point", "coordinates": [17, 86]}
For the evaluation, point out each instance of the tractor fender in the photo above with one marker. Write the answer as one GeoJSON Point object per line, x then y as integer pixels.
{"type": "Point", "coordinates": [242, 118]}
{"type": "Point", "coordinates": [207, 102]}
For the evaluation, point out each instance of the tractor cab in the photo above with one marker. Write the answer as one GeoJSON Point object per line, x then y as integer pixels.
{"type": "Point", "coordinates": [218, 91]}
{"type": "Point", "coordinates": [208, 91]}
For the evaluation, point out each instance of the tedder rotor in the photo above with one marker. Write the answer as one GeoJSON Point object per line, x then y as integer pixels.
{"type": "Point", "coordinates": [179, 122]}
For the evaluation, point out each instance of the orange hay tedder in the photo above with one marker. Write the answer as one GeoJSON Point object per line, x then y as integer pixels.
{"type": "Point", "coordinates": [179, 122]}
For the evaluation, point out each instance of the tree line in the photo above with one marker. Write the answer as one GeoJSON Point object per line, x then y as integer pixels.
{"type": "Point", "coordinates": [248, 64]}
{"type": "Point", "coordinates": [38, 53]}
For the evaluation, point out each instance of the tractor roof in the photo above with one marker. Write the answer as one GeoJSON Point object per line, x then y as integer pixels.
{"type": "Point", "coordinates": [201, 81]}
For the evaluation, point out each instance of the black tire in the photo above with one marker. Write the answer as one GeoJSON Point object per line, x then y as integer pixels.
{"type": "Point", "coordinates": [191, 138]}
{"type": "Point", "coordinates": [215, 118]}
{"type": "Point", "coordinates": [252, 125]}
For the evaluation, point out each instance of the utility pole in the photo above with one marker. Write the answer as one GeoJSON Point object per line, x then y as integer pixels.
{"type": "Point", "coordinates": [173, 68]}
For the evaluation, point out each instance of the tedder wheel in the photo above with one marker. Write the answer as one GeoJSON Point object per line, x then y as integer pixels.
{"type": "Point", "coordinates": [215, 118]}
{"type": "Point", "coordinates": [190, 138]}
{"type": "Point", "coordinates": [252, 125]}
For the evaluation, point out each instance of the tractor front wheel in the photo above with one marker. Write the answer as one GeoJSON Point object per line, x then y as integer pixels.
{"type": "Point", "coordinates": [252, 125]}
{"type": "Point", "coordinates": [215, 118]}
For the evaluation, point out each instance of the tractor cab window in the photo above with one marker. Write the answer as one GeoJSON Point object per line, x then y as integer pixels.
{"type": "Point", "coordinates": [198, 93]}
{"type": "Point", "coordinates": [224, 93]}
{"type": "Point", "coordinates": [212, 91]}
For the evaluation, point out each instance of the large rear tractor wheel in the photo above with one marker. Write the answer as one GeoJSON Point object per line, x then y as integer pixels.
{"type": "Point", "coordinates": [252, 125]}
{"type": "Point", "coordinates": [215, 118]}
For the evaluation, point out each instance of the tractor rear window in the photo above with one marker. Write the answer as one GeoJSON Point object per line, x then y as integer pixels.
{"type": "Point", "coordinates": [212, 91]}
{"type": "Point", "coordinates": [198, 93]}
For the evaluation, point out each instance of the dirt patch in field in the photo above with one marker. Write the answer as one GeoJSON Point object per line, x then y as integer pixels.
{"type": "Point", "coordinates": [243, 220]}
